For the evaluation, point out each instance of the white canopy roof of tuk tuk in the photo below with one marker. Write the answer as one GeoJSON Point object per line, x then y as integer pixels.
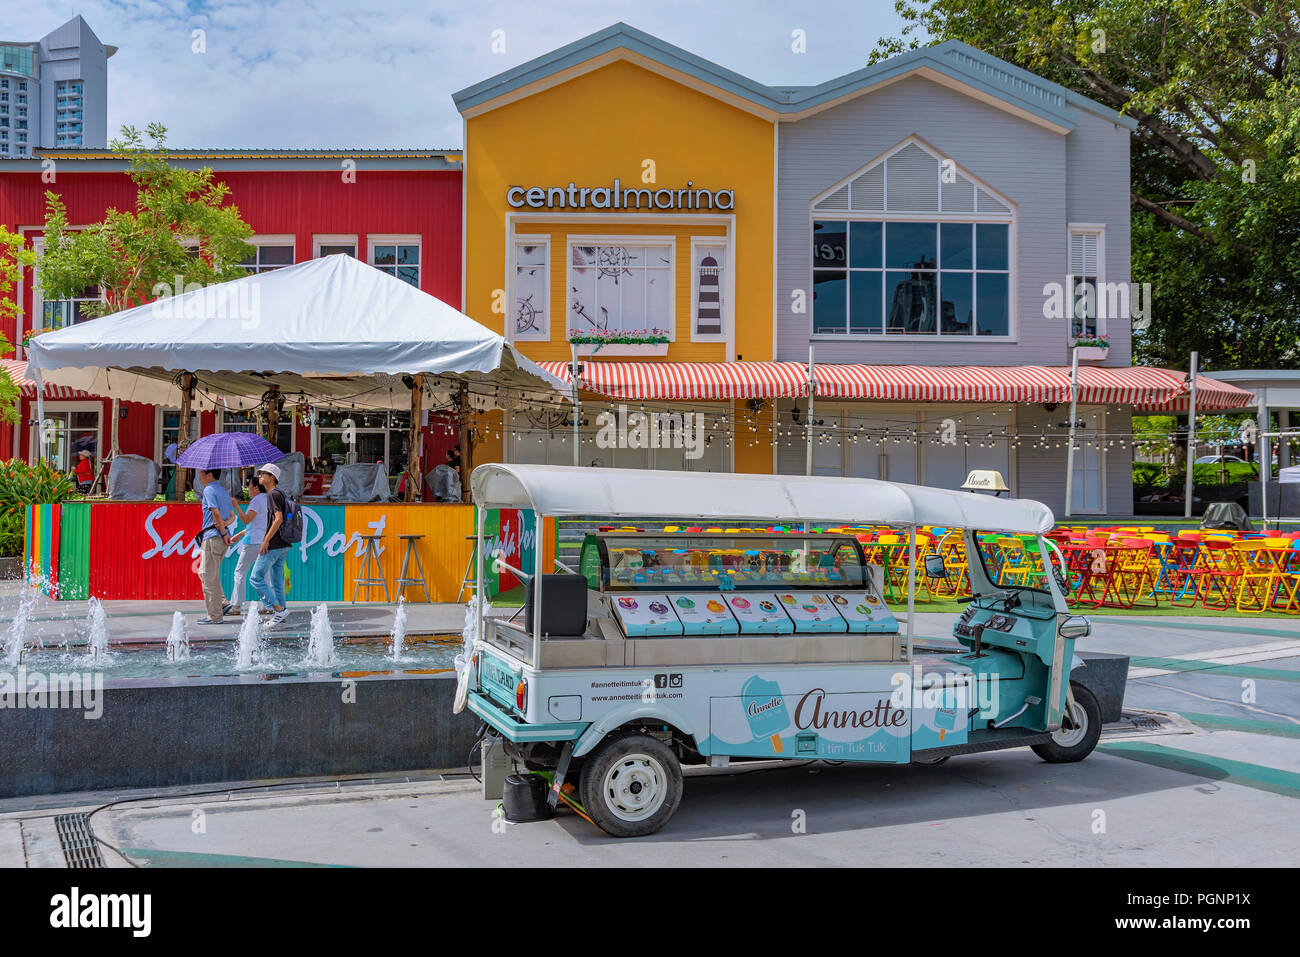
{"type": "Point", "coordinates": [777, 499]}
{"type": "Point", "coordinates": [332, 328]}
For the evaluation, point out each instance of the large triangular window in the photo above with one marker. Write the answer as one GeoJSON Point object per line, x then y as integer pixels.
{"type": "Point", "coordinates": [911, 179]}
{"type": "Point", "coordinates": [910, 245]}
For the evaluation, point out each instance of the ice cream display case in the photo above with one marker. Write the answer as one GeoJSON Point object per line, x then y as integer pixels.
{"type": "Point", "coordinates": [773, 584]}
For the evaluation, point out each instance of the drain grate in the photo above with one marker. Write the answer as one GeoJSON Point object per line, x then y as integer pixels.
{"type": "Point", "coordinates": [80, 849]}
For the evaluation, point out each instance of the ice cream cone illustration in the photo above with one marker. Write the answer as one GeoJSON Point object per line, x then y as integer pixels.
{"type": "Point", "coordinates": [765, 708]}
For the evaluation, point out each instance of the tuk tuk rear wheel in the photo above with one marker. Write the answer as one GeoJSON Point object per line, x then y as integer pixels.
{"type": "Point", "coordinates": [1074, 743]}
{"type": "Point", "coordinates": [631, 785]}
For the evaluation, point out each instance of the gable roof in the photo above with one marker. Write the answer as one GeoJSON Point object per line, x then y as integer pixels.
{"type": "Point", "coordinates": [951, 62]}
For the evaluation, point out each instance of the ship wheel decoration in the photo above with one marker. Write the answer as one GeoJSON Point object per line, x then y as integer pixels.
{"type": "Point", "coordinates": [526, 315]}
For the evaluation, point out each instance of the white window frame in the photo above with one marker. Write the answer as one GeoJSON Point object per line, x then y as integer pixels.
{"type": "Point", "coordinates": [397, 239]}
{"type": "Point", "coordinates": [529, 239]}
{"type": "Point", "coordinates": [1010, 220]}
{"type": "Point", "coordinates": [334, 239]}
{"type": "Point", "coordinates": [283, 239]}
{"type": "Point", "coordinates": [36, 444]}
{"type": "Point", "coordinates": [1087, 229]}
{"type": "Point", "coordinates": [655, 240]}
{"type": "Point", "coordinates": [37, 313]}
{"type": "Point", "coordinates": [728, 286]}
{"type": "Point", "coordinates": [221, 425]}
{"type": "Point", "coordinates": [160, 413]}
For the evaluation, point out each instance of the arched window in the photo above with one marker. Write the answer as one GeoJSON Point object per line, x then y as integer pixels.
{"type": "Point", "coordinates": [910, 245]}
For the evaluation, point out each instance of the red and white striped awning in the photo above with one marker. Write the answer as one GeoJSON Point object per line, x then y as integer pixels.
{"type": "Point", "coordinates": [1140, 387]}
{"type": "Point", "coordinates": [689, 380]}
{"type": "Point", "coordinates": [1211, 396]}
{"type": "Point", "coordinates": [17, 370]}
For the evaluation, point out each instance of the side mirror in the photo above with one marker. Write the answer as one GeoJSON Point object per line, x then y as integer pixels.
{"type": "Point", "coordinates": [934, 567]}
{"type": "Point", "coordinates": [1076, 626]}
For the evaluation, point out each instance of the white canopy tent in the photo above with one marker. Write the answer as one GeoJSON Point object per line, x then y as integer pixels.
{"type": "Point", "coordinates": [334, 329]}
{"type": "Point", "coordinates": [331, 328]}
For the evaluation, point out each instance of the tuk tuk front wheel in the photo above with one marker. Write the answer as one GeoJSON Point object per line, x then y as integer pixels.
{"type": "Point", "coordinates": [631, 785]}
{"type": "Point", "coordinates": [1074, 743]}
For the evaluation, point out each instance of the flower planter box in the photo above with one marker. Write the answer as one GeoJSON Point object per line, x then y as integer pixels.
{"type": "Point", "coordinates": [1092, 353]}
{"type": "Point", "coordinates": [612, 349]}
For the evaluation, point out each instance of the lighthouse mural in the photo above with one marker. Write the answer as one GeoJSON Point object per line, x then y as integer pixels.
{"type": "Point", "coordinates": [709, 294]}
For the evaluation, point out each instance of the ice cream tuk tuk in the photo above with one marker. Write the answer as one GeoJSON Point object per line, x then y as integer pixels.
{"type": "Point", "coordinates": [748, 636]}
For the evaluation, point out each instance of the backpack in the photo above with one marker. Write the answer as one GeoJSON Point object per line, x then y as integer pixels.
{"type": "Point", "coordinates": [291, 527]}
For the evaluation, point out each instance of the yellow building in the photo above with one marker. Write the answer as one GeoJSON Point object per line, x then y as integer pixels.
{"type": "Point", "coordinates": [613, 196]}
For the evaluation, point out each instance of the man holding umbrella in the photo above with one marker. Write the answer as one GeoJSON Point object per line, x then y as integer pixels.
{"type": "Point", "coordinates": [210, 454]}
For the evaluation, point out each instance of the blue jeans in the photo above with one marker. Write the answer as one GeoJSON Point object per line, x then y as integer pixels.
{"type": "Point", "coordinates": [268, 576]}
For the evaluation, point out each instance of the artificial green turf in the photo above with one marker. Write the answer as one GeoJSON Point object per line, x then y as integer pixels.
{"type": "Point", "coordinates": [1165, 609]}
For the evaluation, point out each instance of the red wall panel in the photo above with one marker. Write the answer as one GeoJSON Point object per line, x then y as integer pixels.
{"type": "Point", "coordinates": [304, 203]}
{"type": "Point", "coordinates": [120, 540]}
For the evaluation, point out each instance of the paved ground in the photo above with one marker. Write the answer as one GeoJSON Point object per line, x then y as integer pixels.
{"type": "Point", "coordinates": [1214, 781]}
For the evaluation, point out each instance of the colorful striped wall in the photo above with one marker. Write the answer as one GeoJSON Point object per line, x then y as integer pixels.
{"type": "Point", "coordinates": [143, 550]}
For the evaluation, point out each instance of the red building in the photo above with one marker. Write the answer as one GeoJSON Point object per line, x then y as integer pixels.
{"type": "Point", "coordinates": [399, 210]}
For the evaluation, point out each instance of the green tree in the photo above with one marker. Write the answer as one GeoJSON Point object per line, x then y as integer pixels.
{"type": "Point", "coordinates": [183, 225]}
{"type": "Point", "coordinates": [1214, 87]}
{"type": "Point", "coordinates": [14, 256]}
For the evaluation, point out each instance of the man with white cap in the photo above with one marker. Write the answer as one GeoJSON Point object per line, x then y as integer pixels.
{"type": "Point", "coordinates": [268, 569]}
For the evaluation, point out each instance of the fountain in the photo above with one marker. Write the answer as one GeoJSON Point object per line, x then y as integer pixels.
{"type": "Point", "coordinates": [96, 631]}
{"type": "Point", "coordinates": [398, 634]}
{"type": "Point", "coordinates": [178, 639]}
{"type": "Point", "coordinates": [250, 647]}
{"type": "Point", "coordinates": [16, 636]}
{"type": "Point", "coordinates": [320, 646]}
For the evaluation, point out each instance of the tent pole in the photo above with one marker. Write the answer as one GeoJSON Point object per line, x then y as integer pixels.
{"type": "Point", "coordinates": [414, 468]}
{"type": "Point", "coordinates": [466, 440]}
{"type": "Point", "coordinates": [183, 435]}
{"type": "Point", "coordinates": [114, 446]}
{"type": "Point", "coordinates": [38, 434]}
{"type": "Point", "coordinates": [812, 391]}
{"type": "Point", "coordinates": [273, 414]}
{"type": "Point", "coordinates": [1069, 452]}
{"type": "Point", "coordinates": [1265, 456]}
{"type": "Point", "coordinates": [1191, 440]}
{"type": "Point", "coordinates": [573, 379]}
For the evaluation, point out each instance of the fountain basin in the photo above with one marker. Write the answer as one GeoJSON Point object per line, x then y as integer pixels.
{"type": "Point", "coordinates": [171, 731]}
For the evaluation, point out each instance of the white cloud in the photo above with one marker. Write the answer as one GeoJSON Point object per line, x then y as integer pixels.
{"type": "Point", "coordinates": [364, 74]}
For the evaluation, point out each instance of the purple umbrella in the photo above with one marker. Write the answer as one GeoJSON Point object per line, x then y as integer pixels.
{"type": "Point", "coordinates": [229, 450]}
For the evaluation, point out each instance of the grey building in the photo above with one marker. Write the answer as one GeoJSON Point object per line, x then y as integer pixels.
{"type": "Point", "coordinates": [54, 91]}
{"type": "Point", "coordinates": [928, 210]}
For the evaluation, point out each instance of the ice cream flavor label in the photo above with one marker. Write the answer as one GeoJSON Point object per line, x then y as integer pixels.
{"type": "Point", "coordinates": [684, 602]}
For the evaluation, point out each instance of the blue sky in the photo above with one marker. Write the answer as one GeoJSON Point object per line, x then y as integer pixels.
{"type": "Point", "coordinates": [321, 73]}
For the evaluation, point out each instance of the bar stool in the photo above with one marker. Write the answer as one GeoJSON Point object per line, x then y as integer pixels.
{"type": "Point", "coordinates": [365, 575]}
{"type": "Point", "coordinates": [403, 580]}
{"type": "Point", "coordinates": [470, 579]}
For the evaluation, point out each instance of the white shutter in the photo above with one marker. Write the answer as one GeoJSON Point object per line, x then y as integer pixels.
{"type": "Point", "coordinates": [869, 190]}
{"type": "Point", "coordinates": [1083, 254]}
{"type": "Point", "coordinates": [837, 201]}
{"type": "Point", "coordinates": [912, 181]}
{"type": "Point", "coordinates": [959, 196]}
{"type": "Point", "coordinates": [987, 204]}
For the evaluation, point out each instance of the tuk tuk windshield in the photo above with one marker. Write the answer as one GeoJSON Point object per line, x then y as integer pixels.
{"type": "Point", "coordinates": [704, 561]}
{"type": "Point", "coordinates": [1013, 561]}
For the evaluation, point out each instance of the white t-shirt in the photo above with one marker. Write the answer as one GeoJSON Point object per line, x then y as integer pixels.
{"type": "Point", "coordinates": [257, 529]}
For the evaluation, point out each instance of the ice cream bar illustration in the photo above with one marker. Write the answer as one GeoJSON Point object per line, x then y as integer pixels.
{"type": "Point", "coordinates": [945, 720]}
{"type": "Point", "coordinates": [765, 709]}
